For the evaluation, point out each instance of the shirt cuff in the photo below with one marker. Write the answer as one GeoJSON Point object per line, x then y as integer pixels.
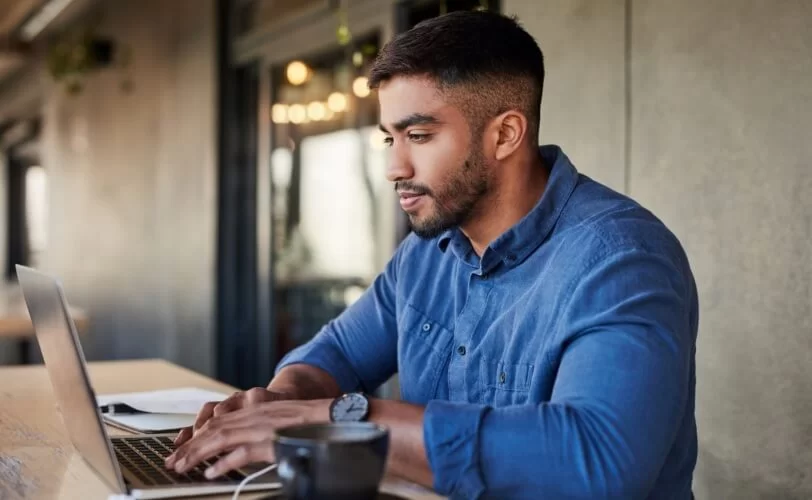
{"type": "Point", "coordinates": [327, 357]}
{"type": "Point", "coordinates": [451, 436]}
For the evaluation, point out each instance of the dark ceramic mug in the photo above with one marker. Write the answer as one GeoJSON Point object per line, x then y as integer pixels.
{"type": "Point", "coordinates": [335, 461]}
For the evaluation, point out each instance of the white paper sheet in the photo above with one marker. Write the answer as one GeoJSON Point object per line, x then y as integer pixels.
{"type": "Point", "coordinates": [186, 401]}
{"type": "Point", "coordinates": [151, 422]}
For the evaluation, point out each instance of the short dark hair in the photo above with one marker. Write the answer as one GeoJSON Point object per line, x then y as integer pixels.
{"type": "Point", "coordinates": [488, 55]}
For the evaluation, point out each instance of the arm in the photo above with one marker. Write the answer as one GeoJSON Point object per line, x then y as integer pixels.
{"type": "Point", "coordinates": [407, 456]}
{"type": "Point", "coordinates": [304, 382]}
{"type": "Point", "coordinates": [356, 351]}
{"type": "Point", "coordinates": [620, 395]}
{"type": "Point", "coordinates": [359, 352]}
{"type": "Point", "coordinates": [407, 453]}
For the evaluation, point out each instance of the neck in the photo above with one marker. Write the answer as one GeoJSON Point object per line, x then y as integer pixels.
{"type": "Point", "coordinates": [513, 196]}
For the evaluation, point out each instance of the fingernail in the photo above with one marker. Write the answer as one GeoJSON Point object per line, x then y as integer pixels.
{"type": "Point", "coordinates": [209, 473]}
{"type": "Point", "coordinates": [169, 460]}
{"type": "Point", "coordinates": [180, 464]}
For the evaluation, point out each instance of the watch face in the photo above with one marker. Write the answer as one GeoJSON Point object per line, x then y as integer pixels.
{"type": "Point", "coordinates": [350, 408]}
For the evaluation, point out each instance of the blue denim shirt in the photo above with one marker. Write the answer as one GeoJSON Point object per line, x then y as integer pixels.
{"type": "Point", "coordinates": [559, 365]}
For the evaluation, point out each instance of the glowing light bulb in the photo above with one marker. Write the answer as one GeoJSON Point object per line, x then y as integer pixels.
{"type": "Point", "coordinates": [297, 72]}
{"type": "Point", "coordinates": [360, 87]}
{"type": "Point", "coordinates": [297, 114]}
{"type": "Point", "coordinates": [279, 113]}
{"type": "Point", "coordinates": [337, 102]}
{"type": "Point", "coordinates": [316, 111]}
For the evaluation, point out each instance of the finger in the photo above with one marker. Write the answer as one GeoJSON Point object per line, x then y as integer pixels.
{"type": "Point", "coordinates": [257, 395]}
{"type": "Point", "coordinates": [232, 403]}
{"type": "Point", "coordinates": [263, 419]}
{"type": "Point", "coordinates": [183, 436]}
{"type": "Point", "coordinates": [244, 455]}
{"type": "Point", "coordinates": [213, 443]}
{"type": "Point", "coordinates": [215, 408]}
{"type": "Point", "coordinates": [203, 416]}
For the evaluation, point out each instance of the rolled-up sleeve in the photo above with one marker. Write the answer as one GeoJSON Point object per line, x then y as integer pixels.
{"type": "Point", "coordinates": [622, 390]}
{"type": "Point", "coordinates": [451, 433]}
{"type": "Point", "coordinates": [359, 347]}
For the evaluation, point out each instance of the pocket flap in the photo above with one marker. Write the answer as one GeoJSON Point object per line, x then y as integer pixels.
{"type": "Point", "coordinates": [507, 376]}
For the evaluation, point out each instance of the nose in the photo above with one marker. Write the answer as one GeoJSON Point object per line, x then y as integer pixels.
{"type": "Point", "coordinates": [400, 166]}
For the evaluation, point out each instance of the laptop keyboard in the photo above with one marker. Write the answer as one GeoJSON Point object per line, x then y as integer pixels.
{"type": "Point", "coordinates": [144, 457]}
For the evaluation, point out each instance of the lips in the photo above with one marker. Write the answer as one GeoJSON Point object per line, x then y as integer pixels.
{"type": "Point", "coordinates": [410, 200]}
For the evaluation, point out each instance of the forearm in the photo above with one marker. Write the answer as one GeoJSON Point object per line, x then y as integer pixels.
{"type": "Point", "coordinates": [302, 381]}
{"type": "Point", "coordinates": [407, 453]}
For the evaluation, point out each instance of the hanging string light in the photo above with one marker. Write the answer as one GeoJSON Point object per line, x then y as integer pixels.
{"type": "Point", "coordinates": [483, 6]}
{"type": "Point", "coordinates": [343, 34]}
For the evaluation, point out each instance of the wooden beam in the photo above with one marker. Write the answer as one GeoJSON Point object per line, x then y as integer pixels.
{"type": "Point", "coordinates": [15, 14]}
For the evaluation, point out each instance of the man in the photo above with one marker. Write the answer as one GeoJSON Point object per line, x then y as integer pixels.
{"type": "Point", "coordinates": [543, 326]}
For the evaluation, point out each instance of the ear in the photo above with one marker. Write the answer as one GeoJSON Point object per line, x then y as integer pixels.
{"type": "Point", "coordinates": [508, 131]}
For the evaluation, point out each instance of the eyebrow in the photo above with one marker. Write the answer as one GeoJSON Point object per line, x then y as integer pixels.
{"type": "Point", "coordinates": [411, 120]}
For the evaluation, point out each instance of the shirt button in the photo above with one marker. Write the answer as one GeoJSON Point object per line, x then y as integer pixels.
{"type": "Point", "coordinates": [502, 377]}
{"type": "Point", "coordinates": [461, 350]}
{"type": "Point", "coordinates": [426, 327]}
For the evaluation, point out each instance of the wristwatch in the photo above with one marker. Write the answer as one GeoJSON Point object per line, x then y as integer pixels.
{"type": "Point", "coordinates": [350, 407]}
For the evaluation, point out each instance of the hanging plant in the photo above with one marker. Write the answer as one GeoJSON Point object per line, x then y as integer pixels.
{"type": "Point", "coordinates": [72, 58]}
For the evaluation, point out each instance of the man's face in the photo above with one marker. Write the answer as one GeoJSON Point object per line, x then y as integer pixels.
{"type": "Point", "coordinates": [437, 164]}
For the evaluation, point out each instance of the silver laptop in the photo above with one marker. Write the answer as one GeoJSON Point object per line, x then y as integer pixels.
{"type": "Point", "coordinates": [132, 465]}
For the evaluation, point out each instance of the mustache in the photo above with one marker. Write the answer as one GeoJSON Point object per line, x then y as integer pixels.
{"type": "Point", "coordinates": [413, 188]}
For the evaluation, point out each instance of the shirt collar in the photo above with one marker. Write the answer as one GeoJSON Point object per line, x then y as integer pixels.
{"type": "Point", "coordinates": [518, 242]}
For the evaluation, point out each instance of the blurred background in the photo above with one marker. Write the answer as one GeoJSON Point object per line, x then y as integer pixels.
{"type": "Point", "coordinates": [207, 178]}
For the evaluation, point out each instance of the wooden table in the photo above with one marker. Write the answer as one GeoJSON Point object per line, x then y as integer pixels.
{"type": "Point", "coordinates": [37, 459]}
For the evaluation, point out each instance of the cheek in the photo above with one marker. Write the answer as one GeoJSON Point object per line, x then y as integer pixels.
{"type": "Point", "coordinates": [438, 160]}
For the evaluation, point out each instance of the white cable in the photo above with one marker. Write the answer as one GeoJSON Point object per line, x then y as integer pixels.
{"type": "Point", "coordinates": [250, 478]}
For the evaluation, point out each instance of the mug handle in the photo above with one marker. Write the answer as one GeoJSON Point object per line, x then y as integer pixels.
{"type": "Point", "coordinates": [301, 482]}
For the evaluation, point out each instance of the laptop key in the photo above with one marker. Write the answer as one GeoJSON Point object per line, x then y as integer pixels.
{"type": "Point", "coordinates": [196, 476]}
{"type": "Point", "coordinates": [145, 457]}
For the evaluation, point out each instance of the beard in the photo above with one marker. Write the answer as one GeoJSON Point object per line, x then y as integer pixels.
{"type": "Point", "coordinates": [456, 201]}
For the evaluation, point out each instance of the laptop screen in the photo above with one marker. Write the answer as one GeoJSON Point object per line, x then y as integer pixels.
{"type": "Point", "coordinates": [65, 362]}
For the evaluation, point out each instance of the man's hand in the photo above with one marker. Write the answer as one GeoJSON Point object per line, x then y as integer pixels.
{"type": "Point", "coordinates": [237, 401]}
{"type": "Point", "coordinates": [246, 434]}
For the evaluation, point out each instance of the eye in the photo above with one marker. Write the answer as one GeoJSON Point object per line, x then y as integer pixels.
{"type": "Point", "coordinates": [419, 138]}
{"type": "Point", "coordinates": [388, 141]}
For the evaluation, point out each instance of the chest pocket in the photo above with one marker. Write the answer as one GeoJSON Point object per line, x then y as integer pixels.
{"type": "Point", "coordinates": [505, 384]}
{"type": "Point", "coordinates": [423, 353]}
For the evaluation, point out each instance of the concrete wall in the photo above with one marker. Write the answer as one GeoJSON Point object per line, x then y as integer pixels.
{"type": "Point", "coordinates": [722, 108]}
{"type": "Point", "coordinates": [133, 187]}
{"type": "Point", "coordinates": [583, 107]}
{"type": "Point", "coordinates": [720, 112]}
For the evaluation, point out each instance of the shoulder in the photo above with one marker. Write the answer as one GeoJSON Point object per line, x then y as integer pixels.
{"type": "Point", "coordinates": [600, 222]}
